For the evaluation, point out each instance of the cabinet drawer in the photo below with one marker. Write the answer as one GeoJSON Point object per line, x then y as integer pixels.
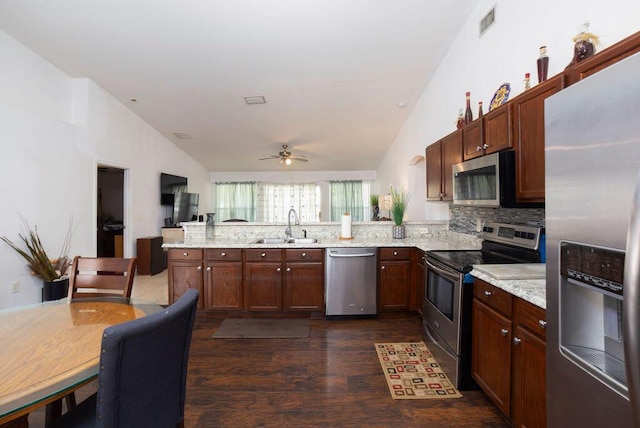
{"type": "Point", "coordinates": [494, 297]}
{"type": "Point", "coordinates": [395, 253]}
{"type": "Point", "coordinates": [530, 316]}
{"type": "Point", "coordinates": [261, 254]}
{"type": "Point", "coordinates": [224, 254]}
{"type": "Point", "coordinates": [304, 255]}
{"type": "Point", "coordinates": [185, 254]}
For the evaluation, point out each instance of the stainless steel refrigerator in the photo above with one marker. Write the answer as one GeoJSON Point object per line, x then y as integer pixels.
{"type": "Point", "coordinates": [592, 132]}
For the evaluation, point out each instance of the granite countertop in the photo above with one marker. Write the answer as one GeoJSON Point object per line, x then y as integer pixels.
{"type": "Point", "coordinates": [425, 244]}
{"type": "Point", "coordinates": [530, 285]}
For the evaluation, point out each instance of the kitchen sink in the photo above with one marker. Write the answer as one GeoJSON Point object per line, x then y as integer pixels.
{"type": "Point", "coordinates": [276, 241]}
{"type": "Point", "coordinates": [302, 241]}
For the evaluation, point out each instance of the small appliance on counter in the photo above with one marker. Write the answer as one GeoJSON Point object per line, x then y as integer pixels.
{"type": "Point", "coordinates": [448, 293]}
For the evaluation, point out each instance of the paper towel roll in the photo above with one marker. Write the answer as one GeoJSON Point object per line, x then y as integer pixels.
{"type": "Point", "coordinates": [345, 231]}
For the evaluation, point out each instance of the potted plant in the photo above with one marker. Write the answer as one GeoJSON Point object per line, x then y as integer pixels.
{"type": "Point", "coordinates": [53, 272]}
{"type": "Point", "coordinates": [399, 202]}
{"type": "Point", "coordinates": [375, 209]}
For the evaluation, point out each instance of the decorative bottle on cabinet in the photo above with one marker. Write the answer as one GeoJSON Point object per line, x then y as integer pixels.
{"type": "Point", "coordinates": [468, 115]}
{"type": "Point", "coordinates": [480, 110]}
{"type": "Point", "coordinates": [460, 122]}
{"type": "Point", "coordinates": [527, 81]}
{"type": "Point", "coordinates": [543, 64]}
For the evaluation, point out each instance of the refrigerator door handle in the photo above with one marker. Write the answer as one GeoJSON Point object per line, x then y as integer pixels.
{"type": "Point", "coordinates": [631, 307]}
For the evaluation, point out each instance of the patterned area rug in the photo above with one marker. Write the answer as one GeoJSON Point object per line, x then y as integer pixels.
{"type": "Point", "coordinates": [412, 372]}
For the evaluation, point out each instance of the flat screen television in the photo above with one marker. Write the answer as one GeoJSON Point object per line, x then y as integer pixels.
{"type": "Point", "coordinates": [169, 186]}
{"type": "Point", "coordinates": [185, 207]}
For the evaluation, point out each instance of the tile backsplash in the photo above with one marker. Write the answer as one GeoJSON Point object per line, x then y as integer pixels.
{"type": "Point", "coordinates": [463, 219]}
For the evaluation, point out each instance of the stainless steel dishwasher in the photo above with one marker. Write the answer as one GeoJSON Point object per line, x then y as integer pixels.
{"type": "Point", "coordinates": [350, 282]}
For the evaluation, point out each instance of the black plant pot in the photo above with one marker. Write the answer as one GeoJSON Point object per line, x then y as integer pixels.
{"type": "Point", "coordinates": [55, 290]}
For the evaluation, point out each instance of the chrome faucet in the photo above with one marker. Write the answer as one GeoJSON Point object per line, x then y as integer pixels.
{"type": "Point", "coordinates": [287, 231]}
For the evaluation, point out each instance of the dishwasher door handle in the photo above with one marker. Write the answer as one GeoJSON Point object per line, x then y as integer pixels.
{"type": "Point", "coordinates": [352, 255]}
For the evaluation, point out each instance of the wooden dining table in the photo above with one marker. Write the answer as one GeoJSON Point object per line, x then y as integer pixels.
{"type": "Point", "coordinates": [50, 349]}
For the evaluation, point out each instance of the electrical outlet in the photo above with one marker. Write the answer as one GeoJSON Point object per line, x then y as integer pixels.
{"type": "Point", "coordinates": [16, 287]}
{"type": "Point", "coordinates": [478, 225]}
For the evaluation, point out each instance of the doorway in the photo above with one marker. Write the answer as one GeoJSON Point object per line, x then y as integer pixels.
{"type": "Point", "coordinates": [110, 208]}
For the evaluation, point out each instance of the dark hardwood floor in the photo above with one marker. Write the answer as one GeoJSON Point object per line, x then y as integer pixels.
{"type": "Point", "coordinates": [330, 379]}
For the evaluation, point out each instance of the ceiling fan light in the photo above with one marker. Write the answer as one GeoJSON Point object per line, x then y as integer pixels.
{"type": "Point", "coordinates": [287, 161]}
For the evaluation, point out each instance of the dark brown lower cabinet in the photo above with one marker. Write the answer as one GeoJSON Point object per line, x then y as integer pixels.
{"type": "Point", "coordinates": [509, 354]}
{"type": "Point", "coordinates": [223, 287]}
{"type": "Point", "coordinates": [529, 407]}
{"type": "Point", "coordinates": [304, 280]}
{"type": "Point", "coordinates": [491, 361]}
{"type": "Point", "coordinates": [186, 268]}
{"type": "Point", "coordinates": [263, 280]}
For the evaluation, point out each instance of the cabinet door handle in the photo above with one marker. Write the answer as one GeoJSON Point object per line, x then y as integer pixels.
{"type": "Point", "coordinates": [223, 254]}
{"type": "Point", "coordinates": [208, 268]}
{"type": "Point", "coordinates": [185, 254]}
{"type": "Point", "coordinates": [488, 293]}
{"type": "Point", "coordinates": [478, 149]}
{"type": "Point", "coordinates": [263, 255]}
{"type": "Point", "coordinates": [199, 267]}
{"type": "Point", "coordinates": [288, 269]}
{"type": "Point", "coordinates": [516, 340]}
{"type": "Point", "coordinates": [542, 323]}
{"type": "Point", "coordinates": [441, 195]}
{"type": "Point", "coordinates": [504, 331]}
{"type": "Point", "coordinates": [278, 270]}
{"type": "Point", "coordinates": [304, 254]}
{"type": "Point", "coordinates": [485, 146]}
{"type": "Point", "coordinates": [382, 267]}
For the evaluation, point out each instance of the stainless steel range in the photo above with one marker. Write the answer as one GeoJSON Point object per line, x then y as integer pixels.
{"type": "Point", "coordinates": [448, 291]}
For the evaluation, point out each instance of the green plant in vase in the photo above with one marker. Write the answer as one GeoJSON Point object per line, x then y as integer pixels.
{"type": "Point", "coordinates": [399, 201]}
{"type": "Point", "coordinates": [375, 209]}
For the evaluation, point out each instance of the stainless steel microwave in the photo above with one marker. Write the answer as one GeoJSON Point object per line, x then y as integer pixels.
{"type": "Point", "coordinates": [488, 181]}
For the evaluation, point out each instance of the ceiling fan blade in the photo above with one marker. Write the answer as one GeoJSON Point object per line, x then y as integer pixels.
{"type": "Point", "coordinates": [270, 157]}
{"type": "Point", "coordinates": [298, 158]}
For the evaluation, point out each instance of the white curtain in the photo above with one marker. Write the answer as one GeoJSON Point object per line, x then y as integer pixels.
{"type": "Point", "coordinates": [275, 200]}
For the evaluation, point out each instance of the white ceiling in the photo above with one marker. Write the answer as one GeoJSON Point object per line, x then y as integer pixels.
{"type": "Point", "coordinates": [332, 71]}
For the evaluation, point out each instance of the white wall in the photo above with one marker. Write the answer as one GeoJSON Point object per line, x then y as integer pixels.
{"type": "Point", "coordinates": [54, 131]}
{"type": "Point", "coordinates": [506, 52]}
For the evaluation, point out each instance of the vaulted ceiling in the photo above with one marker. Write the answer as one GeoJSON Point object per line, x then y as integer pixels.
{"type": "Point", "coordinates": [339, 76]}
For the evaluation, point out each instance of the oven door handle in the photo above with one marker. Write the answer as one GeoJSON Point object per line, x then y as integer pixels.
{"type": "Point", "coordinates": [441, 271]}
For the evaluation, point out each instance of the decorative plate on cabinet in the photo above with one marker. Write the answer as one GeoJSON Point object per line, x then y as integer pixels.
{"type": "Point", "coordinates": [500, 97]}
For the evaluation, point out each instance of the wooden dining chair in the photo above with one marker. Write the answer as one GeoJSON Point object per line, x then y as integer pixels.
{"type": "Point", "coordinates": [101, 277]}
{"type": "Point", "coordinates": [97, 277]}
{"type": "Point", "coordinates": [143, 372]}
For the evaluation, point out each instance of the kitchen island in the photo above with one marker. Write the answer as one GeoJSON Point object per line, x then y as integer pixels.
{"type": "Point", "coordinates": [219, 267]}
{"type": "Point", "coordinates": [239, 276]}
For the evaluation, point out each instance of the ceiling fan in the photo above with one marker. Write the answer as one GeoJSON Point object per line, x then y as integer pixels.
{"type": "Point", "coordinates": [286, 157]}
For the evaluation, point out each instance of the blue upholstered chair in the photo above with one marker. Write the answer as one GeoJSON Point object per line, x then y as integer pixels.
{"type": "Point", "coordinates": [143, 372]}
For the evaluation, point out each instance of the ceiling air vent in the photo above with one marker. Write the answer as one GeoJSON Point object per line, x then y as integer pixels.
{"type": "Point", "coordinates": [487, 21]}
{"type": "Point", "coordinates": [255, 100]}
{"type": "Point", "coordinates": [182, 135]}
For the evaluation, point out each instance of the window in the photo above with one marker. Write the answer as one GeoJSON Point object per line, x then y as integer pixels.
{"type": "Point", "coordinates": [351, 197]}
{"type": "Point", "coordinates": [275, 200]}
{"type": "Point", "coordinates": [267, 202]}
{"type": "Point", "coordinates": [236, 200]}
